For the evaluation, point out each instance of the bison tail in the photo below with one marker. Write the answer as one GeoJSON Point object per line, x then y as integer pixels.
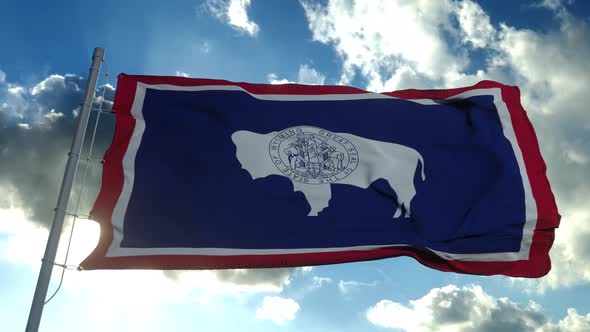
{"type": "Point", "coordinates": [422, 168]}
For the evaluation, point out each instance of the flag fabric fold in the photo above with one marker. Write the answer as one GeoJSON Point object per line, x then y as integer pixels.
{"type": "Point", "coordinates": [212, 174]}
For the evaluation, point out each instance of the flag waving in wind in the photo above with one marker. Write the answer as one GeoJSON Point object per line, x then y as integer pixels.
{"type": "Point", "coordinates": [210, 174]}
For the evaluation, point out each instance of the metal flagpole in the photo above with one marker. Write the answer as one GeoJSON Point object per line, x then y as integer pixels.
{"type": "Point", "coordinates": [64, 196]}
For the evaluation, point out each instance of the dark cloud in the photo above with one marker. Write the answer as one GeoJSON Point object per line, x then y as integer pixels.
{"type": "Point", "coordinates": [274, 277]}
{"type": "Point", "coordinates": [268, 278]}
{"type": "Point", "coordinates": [508, 316]}
{"type": "Point", "coordinates": [453, 306]}
{"type": "Point", "coordinates": [36, 130]}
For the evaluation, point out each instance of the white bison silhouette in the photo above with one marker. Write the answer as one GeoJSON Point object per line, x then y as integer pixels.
{"type": "Point", "coordinates": [395, 163]}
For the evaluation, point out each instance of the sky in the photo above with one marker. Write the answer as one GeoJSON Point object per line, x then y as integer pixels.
{"type": "Point", "coordinates": [541, 46]}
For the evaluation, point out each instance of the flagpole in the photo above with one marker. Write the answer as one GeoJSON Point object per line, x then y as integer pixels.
{"type": "Point", "coordinates": [64, 196]}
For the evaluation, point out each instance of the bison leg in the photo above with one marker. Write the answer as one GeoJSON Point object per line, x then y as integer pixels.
{"type": "Point", "coordinates": [407, 209]}
{"type": "Point", "coordinates": [398, 212]}
{"type": "Point", "coordinates": [402, 209]}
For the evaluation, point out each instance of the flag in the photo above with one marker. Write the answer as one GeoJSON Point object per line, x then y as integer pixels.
{"type": "Point", "coordinates": [212, 174]}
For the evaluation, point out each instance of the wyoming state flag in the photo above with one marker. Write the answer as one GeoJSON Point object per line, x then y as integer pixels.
{"type": "Point", "coordinates": [212, 174]}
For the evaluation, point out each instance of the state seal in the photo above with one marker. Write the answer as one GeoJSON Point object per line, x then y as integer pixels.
{"type": "Point", "coordinates": [313, 155]}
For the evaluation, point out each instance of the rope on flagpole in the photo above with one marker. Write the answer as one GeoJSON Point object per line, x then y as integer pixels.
{"type": "Point", "coordinates": [94, 109]}
{"type": "Point", "coordinates": [64, 266]}
{"type": "Point", "coordinates": [75, 215]}
{"type": "Point", "coordinates": [79, 216]}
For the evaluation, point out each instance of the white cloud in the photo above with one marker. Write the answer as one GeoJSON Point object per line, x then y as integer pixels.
{"type": "Point", "coordinates": [181, 74]}
{"type": "Point", "coordinates": [305, 75]}
{"type": "Point", "coordinates": [475, 24]}
{"type": "Point", "coordinates": [345, 287]}
{"type": "Point", "coordinates": [16, 90]}
{"type": "Point", "coordinates": [550, 67]}
{"type": "Point", "coordinates": [2, 76]}
{"type": "Point", "coordinates": [22, 241]}
{"type": "Point", "coordinates": [570, 255]}
{"type": "Point", "coordinates": [55, 82]}
{"type": "Point", "coordinates": [308, 75]}
{"type": "Point", "coordinates": [53, 116]}
{"type": "Point", "coordinates": [48, 83]}
{"type": "Point", "coordinates": [554, 4]}
{"type": "Point", "coordinates": [318, 282]}
{"type": "Point", "coordinates": [233, 12]}
{"type": "Point", "coordinates": [14, 102]}
{"type": "Point", "coordinates": [573, 322]}
{"type": "Point", "coordinates": [274, 79]}
{"type": "Point", "coordinates": [468, 308]}
{"type": "Point", "coordinates": [34, 105]}
{"type": "Point", "coordinates": [375, 37]}
{"type": "Point", "coordinates": [25, 126]}
{"type": "Point", "coordinates": [576, 156]}
{"type": "Point", "coordinates": [277, 309]}
{"type": "Point", "coordinates": [314, 284]}
{"type": "Point", "coordinates": [140, 295]}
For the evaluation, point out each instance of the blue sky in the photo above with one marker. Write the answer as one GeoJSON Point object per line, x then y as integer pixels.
{"type": "Point", "coordinates": [541, 46]}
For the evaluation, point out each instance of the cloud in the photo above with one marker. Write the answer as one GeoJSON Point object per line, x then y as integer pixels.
{"type": "Point", "coordinates": [53, 116]}
{"type": "Point", "coordinates": [236, 282]}
{"type": "Point", "coordinates": [308, 75]}
{"type": "Point", "coordinates": [305, 75]}
{"type": "Point", "coordinates": [553, 4]}
{"type": "Point", "coordinates": [311, 284]}
{"type": "Point", "coordinates": [57, 83]}
{"type": "Point", "coordinates": [24, 126]}
{"type": "Point", "coordinates": [21, 241]}
{"type": "Point", "coordinates": [277, 309]}
{"type": "Point", "coordinates": [274, 79]}
{"type": "Point", "coordinates": [318, 282]}
{"type": "Point", "coordinates": [468, 308]}
{"type": "Point", "coordinates": [37, 128]}
{"type": "Point", "coordinates": [348, 286]}
{"type": "Point", "coordinates": [181, 74]}
{"type": "Point", "coordinates": [275, 278]}
{"type": "Point", "coordinates": [234, 13]}
{"type": "Point", "coordinates": [569, 256]}
{"type": "Point", "coordinates": [306, 269]}
{"type": "Point", "coordinates": [376, 38]}
{"type": "Point", "coordinates": [242, 280]}
{"type": "Point", "coordinates": [475, 24]}
{"type": "Point", "coordinates": [572, 322]}
{"type": "Point", "coordinates": [432, 45]}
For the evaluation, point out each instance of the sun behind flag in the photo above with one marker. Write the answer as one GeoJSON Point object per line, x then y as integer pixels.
{"type": "Point", "coordinates": [209, 174]}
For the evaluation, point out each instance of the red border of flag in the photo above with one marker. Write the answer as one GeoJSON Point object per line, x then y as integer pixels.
{"type": "Point", "coordinates": [537, 265]}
